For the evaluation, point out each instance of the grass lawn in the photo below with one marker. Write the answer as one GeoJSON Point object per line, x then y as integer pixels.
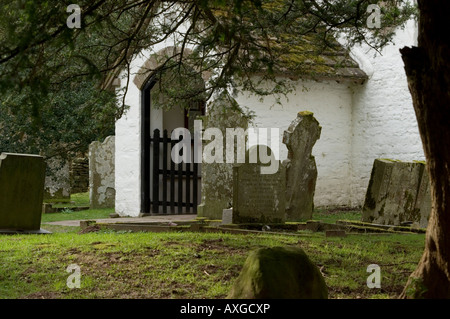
{"type": "Point", "coordinates": [186, 264]}
{"type": "Point", "coordinates": [71, 215]}
{"type": "Point", "coordinates": [189, 265]}
{"type": "Point", "coordinates": [332, 215]}
{"type": "Point", "coordinates": [80, 199]}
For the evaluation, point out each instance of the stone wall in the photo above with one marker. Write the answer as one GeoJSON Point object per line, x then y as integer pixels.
{"type": "Point", "coordinates": [101, 173]}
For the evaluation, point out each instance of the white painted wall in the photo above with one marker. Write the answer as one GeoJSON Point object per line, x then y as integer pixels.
{"type": "Point", "coordinates": [384, 123]}
{"type": "Point", "coordinates": [359, 123]}
{"type": "Point", "coordinates": [128, 136]}
{"type": "Point", "coordinates": [128, 145]}
{"type": "Point", "coordinates": [331, 104]}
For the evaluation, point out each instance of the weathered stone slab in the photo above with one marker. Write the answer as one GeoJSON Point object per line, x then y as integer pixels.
{"type": "Point", "coordinates": [101, 173]}
{"type": "Point", "coordinates": [57, 179]}
{"type": "Point", "coordinates": [79, 175]}
{"type": "Point", "coordinates": [217, 178]}
{"type": "Point", "coordinates": [258, 198]}
{"type": "Point", "coordinates": [397, 193]}
{"type": "Point", "coordinates": [227, 216]}
{"type": "Point", "coordinates": [423, 201]}
{"type": "Point", "coordinates": [22, 178]}
{"type": "Point", "coordinates": [47, 208]}
{"type": "Point", "coordinates": [279, 273]}
{"type": "Point", "coordinates": [301, 170]}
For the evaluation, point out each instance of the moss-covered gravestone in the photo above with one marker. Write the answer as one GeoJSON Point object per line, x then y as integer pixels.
{"type": "Point", "coordinates": [223, 114]}
{"type": "Point", "coordinates": [279, 273]}
{"type": "Point", "coordinates": [398, 192]}
{"type": "Point", "coordinates": [102, 191]}
{"type": "Point", "coordinates": [57, 179]}
{"type": "Point", "coordinates": [259, 197]}
{"type": "Point", "coordinates": [22, 179]}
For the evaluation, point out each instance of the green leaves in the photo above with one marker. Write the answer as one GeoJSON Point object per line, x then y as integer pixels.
{"type": "Point", "coordinates": [44, 64]}
{"type": "Point", "coordinates": [61, 123]}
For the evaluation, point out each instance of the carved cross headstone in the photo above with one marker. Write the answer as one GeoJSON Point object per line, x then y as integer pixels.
{"type": "Point", "coordinates": [301, 170]}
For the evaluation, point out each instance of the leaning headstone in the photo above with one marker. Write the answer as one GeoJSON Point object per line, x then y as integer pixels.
{"type": "Point", "coordinates": [22, 179]}
{"type": "Point", "coordinates": [301, 170]}
{"type": "Point", "coordinates": [423, 201]}
{"type": "Point", "coordinates": [101, 174]}
{"type": "Point", "coordinates": [397, 193]}
{"type": "Point", "coordinates": [279, 273]}
{"type": "Point", "coordinates": [223, 113]}
{"type": "Point", "coordinates": [258, 197]}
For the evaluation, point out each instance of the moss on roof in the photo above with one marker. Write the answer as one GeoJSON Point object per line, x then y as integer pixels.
{"type": "Point", "coordinates": [300, 56]}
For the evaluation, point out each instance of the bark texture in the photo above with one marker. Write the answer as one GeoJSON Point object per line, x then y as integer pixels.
{"type": "Point", "coordinates": [428, 71]}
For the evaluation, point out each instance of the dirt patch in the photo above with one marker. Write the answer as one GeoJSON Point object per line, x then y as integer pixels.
{"type": "Point", "coordinates": [73, 251]}
{"type": "Point", "coordinates": [43, 295]}
{"type": "Point", "coordinates": [26, 275]}
{"type": "Point", "coordinates": [151, 252]}
{"type": "Point", "coordinates": [90, 229]}
{"type": "Point", "coordinates": [219, 248]}
{"type": "Point", "coordinates": [231, 273]}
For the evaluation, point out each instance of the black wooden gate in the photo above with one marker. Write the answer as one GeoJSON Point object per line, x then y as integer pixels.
{"type": "Point", "coordinates": [174, 187]}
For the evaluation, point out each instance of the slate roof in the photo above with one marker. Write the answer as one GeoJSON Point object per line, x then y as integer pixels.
{"type": "Point", "coordinates": [299, 58]}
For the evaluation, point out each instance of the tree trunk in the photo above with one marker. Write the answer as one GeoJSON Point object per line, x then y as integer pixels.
{"type": "Point", "coordinates": [427, 68]}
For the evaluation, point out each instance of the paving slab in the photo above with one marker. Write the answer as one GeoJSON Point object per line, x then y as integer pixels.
{"type": "Point", "coordinates": [146, 219]}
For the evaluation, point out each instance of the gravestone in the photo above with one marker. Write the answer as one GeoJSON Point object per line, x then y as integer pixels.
{"type": "Point", "coordinates": [398, 192]}
{"type": "Point", "coordinates": [57, 179]}
{"type": "Point", "coordinates": [101, 173]}
{"type": "Point", "coordinates": [301, 170]}
{"type": "Point", "coordinates": [22, 178]}
{"type": "Point", "coordinates": [423, 200]}
{"type": "Point", "coordinates": [227, 216]}
{"type": "Point", "coordinates": [79, 175]}
{"type": "Point", "coordinates": [217, 178]}
{"type": "Point", "coordinates": [258, 198]}
{"type": "Point", "coordinates": [279, 273]}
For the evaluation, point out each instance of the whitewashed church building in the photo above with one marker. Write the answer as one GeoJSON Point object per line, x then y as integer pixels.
{"type": "Point", "coordinates": [365, 111]}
